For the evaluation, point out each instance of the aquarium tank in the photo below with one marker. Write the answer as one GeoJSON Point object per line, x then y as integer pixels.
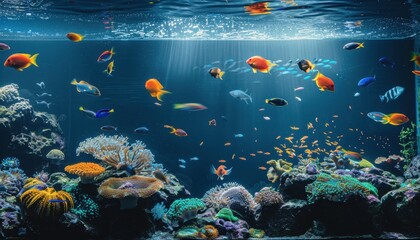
{"type": "Point", "coordinates": [209, 119]}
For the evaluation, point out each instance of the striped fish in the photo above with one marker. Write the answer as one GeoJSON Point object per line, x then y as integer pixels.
{"type": "Point", "coordinates": [392, 94]}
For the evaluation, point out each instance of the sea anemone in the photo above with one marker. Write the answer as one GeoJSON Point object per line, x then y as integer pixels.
{"type": "Point", "coordinates": [87, 171]}
{"type": "Point", "coordinates": [129, 189]}
{"type": "Point", "coordinates": [268, 197]}
{"type": "Point", "coordinates": [46, 203]}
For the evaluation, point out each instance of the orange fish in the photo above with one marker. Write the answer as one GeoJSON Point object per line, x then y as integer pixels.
{"type": "Point", "coordinates": [177, 131]}
{"type": "Point", "coordinates": [278, 137]}
{"type": "Point", "coordinates": [416, 72]}
{"type": "Point", "coordinates": [20, 61]}
{"type": "Point", "coordinates": [392, 118]}
{"type": "Point", "coordinates": [258, 8]}
{"type": "Point", "coordinates": [262, 168]}
{"type": "Point", "coordinates": [242, 158]}
{"type": "Point", "coordinates": [267, 153]}
{"type": "Point", "coordinates": [252, 154]}
{"type": "Point", "coordinates": [155, 88]}
{"type": "Point", "coordinates": [416, 58]}
{"type": "Point", "coordinates": [261, 64]}
{"type": "Point", "coordinates": [222, 161]}
{"type": "Point", "coordinates": [323, 82]}
{"type": "Point", "coordinates": [221, 171]}
{"type": "Point", "coordinates": [259, 152]}
{"type": "Point", "coordinates": [309, 125]}
{"type": "Point", "coordinates": [74, 37]}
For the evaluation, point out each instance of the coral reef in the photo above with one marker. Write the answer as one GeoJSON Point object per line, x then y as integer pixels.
{"type": "Point", "coordinates": [11, 182]}
{"type": "Point", "coordinates": [85, 208]}
{"type": "Point", "coordinates": [129, 189]}
{"type": "Point", "coordinates": [46, 204]}
{"type": "Point", "coordinates": [10, 217]}
{"type": "Point", "coordinates": [392, 164]}
{"type": "Point", "coordinates": [293, 184]}
{"type": "Point", "coordinates": [268, 197]}
{"type": "Point", "coordinates": [9, 162]}
{"type": "Point", "coordinates": [85, 170]}
{"type": "Point", "coordinates": [256, 233]}
{"type": "Point", "coordinates": [158, 211]}
{"type": "Point", "coordinates": [234, 230]}
{"type": "Point", "coordinates": [338, 188]}
{"type": "Point", "coordinates": [183, 210]}
{"type": "Point", "coordinates": [209, 232]}
{"type": "Point", "coordinates": [117, 152]}
{"type": "Point", "coordinates": [278, 167]}
{"type": "Point", "coordinates": [188, 232]}
{"type": "Point", "coordinates": [56, 155]}
{"type": "Point", "coordinates": [413, 168]}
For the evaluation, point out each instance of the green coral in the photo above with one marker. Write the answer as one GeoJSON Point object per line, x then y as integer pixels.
{"type": "Point", "coordinates": [408, 142]}
{"type": "Point", "coordinates": [86, 208]}
{"type": "Point", "coordinates": [185, 208]}
{"type": "Point", "coordinates": [256, 233]}
{"type": "Point", "coordinates": [189, 232]}
{"type": "Point", "coordinates": [338, 188]}
{"type": "Point", "coordinates": [226, 214]}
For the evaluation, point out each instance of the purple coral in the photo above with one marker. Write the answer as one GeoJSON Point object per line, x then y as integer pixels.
{"type": "Point", "coordinates": [10, 215]}
{"type": "Point", "coordinates": [236, 230]}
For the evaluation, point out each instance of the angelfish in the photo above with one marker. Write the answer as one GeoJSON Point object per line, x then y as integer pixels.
{"type": "Point", "coordinates": [221, 171]}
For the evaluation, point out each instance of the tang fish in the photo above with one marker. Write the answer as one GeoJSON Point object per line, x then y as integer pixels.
{"type": "Point", "coordinates": [241, 95]}
{"type": "Point", "coordinates": [393, 118]}
{"type": "Point", "coordinates": [4, 46]}
{"type": "Point", "coordinates": [386, 62]}
{"type": "Point", "coordinates": [108, 128]}
{"type": "Point", "coordinates": [216, 73]}
{"type": "Point", "coordinates": [276, 102]}
{"type": "Point", "coordinates": [190, 106]}
{"type": "Point", "coordinates": [155, 88]}
{"type": "Point", "coordinates": [221, 171]}
{"type": "Point", "coordinates": [416, 58]}
{"type": "Point", "coordinates": [364, 82]}
{"type": "Point", "coordinates": [106, 56]}
{"type": "Point", "coordinates": [258, 8]}
{"type": "Point", "coordinates": [323, 82]}
{"type": "Point", "coordinates": [85, 87]}
{"type": "Point", "coordinates": [109, 69]}
{"type": "Point", "coordinates": [305, 65]}
{"type": "Point", "coordinates": [353, 45]}
{"type": "Point", "coordinates": [261, 64]}
{"type": "Point", "coordinates": [103, 113]}
{"type": "Point", "coordinates": [74, 37]}
{"type": "Point", "coordinates": [20, 61]}
{"type": "Point", "coordinates": [392, 94]}
{"type": "Point", "coordinates": [177, 131]}
{"type": "Point", "coordinates": [142, 130]}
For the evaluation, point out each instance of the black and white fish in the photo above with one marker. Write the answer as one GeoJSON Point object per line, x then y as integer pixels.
{"type": "Point", "coordinates": [392, 94]}
{"type": "Point", "coordinates": [44, 95]}
{"type": "Point", "coordinates": [47, 104]}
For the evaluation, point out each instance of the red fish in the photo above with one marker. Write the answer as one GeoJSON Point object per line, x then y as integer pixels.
{"type": "Point", "coordinates": [155, 88]}
{"type": "Point", "coordinates": [323, 82]}
{"type": "Point", "coordinates": [20, 61]}
{"type": "Point", "coordinates": [261, 64]}
{"type": "Point", "coordinates": [258, 8]}
{"type": "Point", "coordinates": [221, 171]}
{"type": "Point", "coordinates": [177, 131]}
{"type": "Point", "coordinates": [106, 56]}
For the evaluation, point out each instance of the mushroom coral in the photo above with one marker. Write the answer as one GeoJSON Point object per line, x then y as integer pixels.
{"type": "Point", "coordinates": [46, 204]}
{"type": "Point", "coordinates": [129, 189]}
{"type": "Point", "coordinates": [87, 171]}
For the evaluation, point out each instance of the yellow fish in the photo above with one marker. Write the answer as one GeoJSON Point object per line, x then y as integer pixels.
{"type": "Point", "coordinates": [110, 69]}
{"type": "Point", "coordinates": [289, 139]}
{"type": "Point", "coordinates": [294, 128]}
{"type": "Point", "coordinates": [309, 125]}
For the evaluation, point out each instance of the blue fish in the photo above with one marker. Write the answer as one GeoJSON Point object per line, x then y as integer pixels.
{"type": "Point", "coordinates": [194, 159]}
{"type": "Point", "coordinates": [364, 82]}
{"type": "Point", "coordinates": [88, 113]}
{"type": "Point", "coordinates": [103, 113]}
{"type": "Point", "coordinates": [182, 166]}
{"type": "Point", "coordinates": [239, 135]}
{"type": "Point", "coordinates": [142, 130]}
{"type": "Point", "coordinates": [85, 87]}
{"type": "Point", "coordinates": [386, 62]}
{"type": "Point", "coordinates": [181, 160]}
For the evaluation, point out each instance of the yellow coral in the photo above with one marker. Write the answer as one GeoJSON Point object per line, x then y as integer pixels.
{"type": "Point", "coordinates": [278, 167]}
{"type": "Point", "coordinates": [87, 171]}
{"type": "Point", "coordinates": [46, 203]}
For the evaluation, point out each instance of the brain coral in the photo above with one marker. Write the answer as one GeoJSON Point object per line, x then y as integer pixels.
{"type": "Point", "coordinates": [85, 170]}
{"type": "Point", "coordinates": [129, 189]}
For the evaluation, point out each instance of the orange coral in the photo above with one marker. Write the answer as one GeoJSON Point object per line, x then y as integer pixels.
{"type": "Point", "coordinates": [46, 203]}
{"type": "Point", "coordinates": [209, 232]}
{"type": "Point", "coordinates": [87, 171]}
{"type": "Point", "coordinates": [129, 189]}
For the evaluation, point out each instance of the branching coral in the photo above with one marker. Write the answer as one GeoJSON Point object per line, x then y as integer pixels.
{"type": "Point", "coordinates": [46, 204]}
{"type": "Point", "coordinates": [338, 188]}
{"type": "Point", "coordinates": [85, 170]}
{"type": "Point", "coordinates": [117, 152]}
{"type": "Point", "coordinates": [278, 167]}
{"type": "Point", "coordinates": [185, 209]}
{"type": "Point", "coordinates": [33, 142]}
{"type": "Point", "coordinates": [129, 189]}
{"type": "Point", "coordinates": [230, 195]}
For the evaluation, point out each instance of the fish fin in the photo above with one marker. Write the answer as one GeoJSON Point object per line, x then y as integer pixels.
{"type": "Point", "coordinates": [83, 82]}
{"type": "Point", "coordinates": [160, 94]}
{"type": "Point", "coordinates": [322, 89]}
{"type": "Point", "coordinates": [228, 171]}
{"type": "Point", "coordinates": [73, 82]}
{"type": "Point", "coordinates": [382, 97]}
{"type": "Point", "coordinates": [270, 65]}
{"type": "Point", "coordinates": [221, 75]}
{"type": "Point", "coordinates": [254, 70]}
{"type": "Point", "coordinates": [317, 76]}
{"type": "Point", "coordinates": [386, 119]}
{"type": "Point", "coordinates": [111, 111]}
{"type": "Point", "coordinates": [213, 170]}
{"type": "Point", "coordinates": [361, 45]}
{"type": "Point", "coordinates": [81, 108]}
{"type": "Point", "coordinates": [33, 59]}
{"type": "Point", "coordinates": [112, 51]}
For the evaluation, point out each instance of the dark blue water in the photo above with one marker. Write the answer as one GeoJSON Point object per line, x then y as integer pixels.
{"type": "Point", "coordinates": [182, 67]}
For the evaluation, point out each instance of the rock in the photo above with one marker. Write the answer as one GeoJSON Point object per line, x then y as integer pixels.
{"type": "Point", "coordinates": [293, 183]}
{"type": "Point", "coordinates": [413, 168]}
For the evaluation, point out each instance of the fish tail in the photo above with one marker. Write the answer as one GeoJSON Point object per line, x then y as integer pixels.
{"type": "Point", "coordinates": [385, 119]}
{"type": "Point", "coordinates": [81, 37]}
{"type": "Point", "coordinates": [254, 70]}
{"type": "Point", "coordinates": [33, 59]}
{"type": "Point", "coordinates": [266, 100]}
{"type": "Point", "coordinates": [81, 108]}
{"type": "Point", "coordinates": [317, 76]}
{"type": "Point", "coordinates": [212, 169]}
{"type": "Point", "coordinates": [361, 45]}
{"type": "Point", "coordinates": [160, 94]}
{"type": "Point", "coordinates": [229, 171]}
{"type": "Point", "coordinates": [111, 111]}
{"type": "Point", "coordinates": [112, 51]}
{"type": "Point", "coordinates": [382, 97]}
{"type": "Point", "coordinates": [74, 81]}
{"type": "Point", "coordinates": [414, 56]}
{"type": "Point", "coordinates": [221, 75]}
{"type": "Point", "coordinates": [178, 106]}
{"type": "Point", "coordinates": [173, 130]}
